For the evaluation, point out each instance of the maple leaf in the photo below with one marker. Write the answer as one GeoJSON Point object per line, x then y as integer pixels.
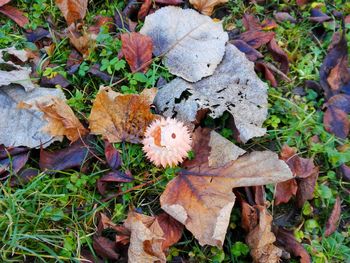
{"type": "Point", "coordinates": [146, 239]}
{"type": "Point", "coordinates": [206, 7]}
{"type": "Point", "coordinates": [201, 197]}
{"type": "Point", "coordinates": [72, 10]}
{"type": "Point", "coordinates": [119, 117]}
{"type": "Point", "coordinates": [137, 50]}
{"type": "Point", "coordinates": [62, 120]}
{"type": "Point", "coordinates": [260, 237]}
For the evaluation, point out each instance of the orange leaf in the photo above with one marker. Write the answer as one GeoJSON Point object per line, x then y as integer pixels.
{"type": "Point", "coordinates": [206, 7]}
{"type": "Point", "coordinates": [72, 10]}
{"type": "Point", "coordinates": [62, 120]}
{"type": "Point", "coordinates": [119, 117]}
{"type": "Point", "coordinates": [137, 49]}
{"type": "Point", "coordinates": [14, 14]}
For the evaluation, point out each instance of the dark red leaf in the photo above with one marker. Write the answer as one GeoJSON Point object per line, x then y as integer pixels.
{"type": "Point", "coordinates": [318, 16]}
{"type": "Point", "coordinates": [172, 230]}
{"type": "Point", "coordinates": [306, 187]}
{"type": "Point", "coordinates": [105, 248]}
{"type": "Point", "coordinates": [268, 75]}
{"type": "Point", "coordinates": [5, 152]}
{"type": "Point", "coordinates": [74, 156]}
{"type": "Point", "coordinates": [14, 163]}
{"type": "Point", "coordinates": [285, 191]}
{"type": "Point", "coordinates": [74, 61]}
{"type": "Point", "coordinates": [336, 122]}
{"type": "Point", "coordinates": [112, 156]}
{"type": "Point", "coordinates": [332, 222]}
{"type": "Point", "coordinates": [16, 15]}
{"type": "Point", "coordinates": [251, 53]}
{"type": "Point", "coordinates": [279, 55]}
{"type": "Point", "coordinates": [4, 2]}
{"type": "Point", "coordinates": [137, 49]}
{"type": "Point", "coordinates": [256, 38]}
{"type": "Point", "coordinates": [89, 257]}
{"type": "Point", "coordinates": [145, 7]}
{"type": "Point", "coordinates": [117, 177]}
{"type": "Point", "coordinates": [334, 74]}
{"type": "Point", "coordinates": [301, 2]}
{"type": "Point", "coordinates": [339, 101]}
{"type": "Point", "coordinates": [286, 240]}
{"type": "Point", "coordinates": [284, 16]}
{"type": "Point", "coordinates": [37, 35]}
{"type": "Point", "coordinates": [24, 177]}
{"type": "Point", "coordinates": [251, 23]}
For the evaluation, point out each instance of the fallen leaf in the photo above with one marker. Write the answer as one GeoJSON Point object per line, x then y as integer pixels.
{"type": "Point", "coordinates": [116, 177]}
{"type": "Point", "coordinates": [234, 87]}
{"type": "Point", "coordinates": [61, 120]}
{"type": "Point", "coordinates": [37, 34]}
{"type": "Point", "coordinates": [180, 31]}
{"type": "Point", "coordinates": [172, 230]}
{"type": "Point", "coordinates": [105, 248]}
{"type": "Point", "coordinates": [256, 38]}
{"type": "Point", "coordinates": [137, 50]}
{"type": "Point", "coordinates": [95, 71]}
{"type": "Point", "coordinates": [206, 7]}
{"type": "Point", "coordinates": [318, 16]}
{"type": "Point", "coordinates": [334, 74]}
{"type": "Point", "coordinates": [302, 2]}
{"type": "Point", "coordinates": [268, 24]}
{"type": "Point", "coordinates": [74, 156]}
{"type": "Point", "coordinates": [336, 121]}
{"type": "Point", "coordinates": [250, 22]}
{"type": "Point", "coordinates": [251, 53]}
{"type": "Point", "coordinates": [88, 257]}
{"type": "Point", "coordinates": [284, 16]}
{"type": "Point", "coordinates": [169, 2]}
{"type": "Point", "coordinates": [72, 10]}
{"type": "Point", "coordinates": [260, 238]}
{"type": "Point", "coordinates": [112, 156]}
{"type": "Point", "coordinates": [332, 222]}
{"type": "Point", "coordinates": [83, 42]}
{"type": "Point", "coordinates": [4, 2]}
{"type": "Point", "coordinates": [287, 240]}
{"type": "Point", "coordinates": [339, 101]}
{"type": "Point", "coordinates": [144, 9]}
{"type": "Point", "coordinates": [201, 198]}
{"type": "Point", "coordinates": [146, 239]}
{"type": "Point", "coordinates": [306, 187]}
{"type": "Point", "coordinates": [279, 55]}
{"type": "Point", "coordinates": [119, 117]}
{"type": "Point", "coordinates": [285, 191]}
{"type": "Point", "coordinates": [24, 176]}
{"type": "Point", "coordinates": [100, 21]}
{"type": "Point", "coordinates": [16, 15]}
{"type": "Point", "coordinates": [345, 171]}
{"type": "Point", "coordinates": [12, 159]}
{"type": "Point", "coordinates": [74, 61]}
{"type": "Point", "coordinates": [260, 66]}
{"type": "Point", "coordinates": [54, 81]}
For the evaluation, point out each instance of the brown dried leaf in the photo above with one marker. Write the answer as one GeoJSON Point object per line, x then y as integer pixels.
{"type": "Point", "coordinates": [137, 50]}
{"type": "Point", "coordinates": [172, 230]}
{"type": "Point", "coordinates": [16, 15]}
{"type": "Point", "coordinates": [332, 222]}
{"type": "Point", "coordinates": [146, 239]}
{"type": "Point", "coordinates": [84, 42]}
{"type": "Point", "coordinates": [206, 7]}
{"type": "Point", "coordinates": [72, 10]}
{"type": "Point", "coordinates": [268, 75]}
{"type": "Point", "coordinates": [61, 120]}
{"type": "Point", "coordinates": [201, 197]}
{"type": "Point", "coordinates": [279, 55]}
{"type": "Point", "coordinates": [284, 16]}
{"type": "Point", "coordinates": [256, 38]}
{"type": "Point", "coordinates": [112, 156]}
{"type": "Point", "coordinates": [336, 121]}
{"type": "Point", "coordinates": [250, 22]}
{"type": "Point", "coordinates": [119, 117]}
{"type": "Point", "coordinates": [285, 191]}
{"type": "Point", "coordinates": [286, 240]}
{"type": "Point", "coordinates": [260, 238]}
{"type": "Point", "coordinates": [306, 187]}
{"type": "Point", "coordinates": [339, 101]}
{"type": "Point", "coordinates": [144, 9]}
{"type": "Point", "coordinates": [251, 53]}
{"type": "Point", "coordinates": [105, 248]}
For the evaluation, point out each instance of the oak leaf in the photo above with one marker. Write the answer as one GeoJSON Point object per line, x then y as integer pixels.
{"type": "Point", "coordinates": [176, 36]}
{"type": "Point", "coordinates": [62, 120]}
{"type": "Point", "coordinates": [137, 49]}
{"type": "Point", "coordinates": [72, 10]}
{"type": "Point", "coordinates": [146, 239]}
{"type": "Point", "coordinates": [206, 7]}
{"type": "Point", "coordinates": [201, 197]}
{"type": "Point", "coordinates": [119, 117]}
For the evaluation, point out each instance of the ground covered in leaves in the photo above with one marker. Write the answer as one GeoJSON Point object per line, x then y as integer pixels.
{"type": "Point", "coordinates": [263, 88]}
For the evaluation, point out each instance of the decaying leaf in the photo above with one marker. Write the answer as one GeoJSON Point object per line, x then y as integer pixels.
{"type": "Point", "coordinates": [12, 159]}
{"type": "Point", "coordinates": [72, 10]}
{"type": "Point", "coordinates": [256, 38]}
{"type": "Point", "coordinates": [251, 53]}
{"type": "Point", "coordinates": [84, 42]}
{"type": "Point", "coordinates": [16, 15]}
{"type": "Point", "coordinates": [332, 222]}
{"type": "Point", "coordinates": [260, 238]}
{"type": "Point", "coordinates": [172, 230]}
{"type": "Point", "coordinates": [287, 241]}
{"type": "Point", "coordinates": [137, 49]}
{"type": "Point", "coordinates": [112, 155]}
{"type": "Point", "coordinates": [234, 87]}
{"type": "Point", "coordinates": [146, 239]}
{"type": "Point", "coordinates": [279, 55]}
{"type": "Point", "coordinates": [206, 7]}
{"type": "Point", "coordinates": [62, 120]}
{"type": "Point", "coordinates": [285, 191]}
{"type": "Point", "coordinates": [176, 36]}
{"type": "Point", "coordinates": [262, 67]}
{"type": "Point", "coordinates": [119, 117]}
{"type": "Point", "coordinates": [201, 198]}
{"type": "Point", "coordinates": [284, 16]}
{"type": "Point", "coordinates": [336, 122]}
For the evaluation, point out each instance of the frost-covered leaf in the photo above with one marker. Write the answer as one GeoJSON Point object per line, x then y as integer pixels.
{"type": "Point", "coordinates": [234, 87]}
{"type": "Point", "coordinates": [24, 126]}
{"type": "Point", "coordinates": [201, 197]}
{"type": "Point", "coordinates": [192, 44]}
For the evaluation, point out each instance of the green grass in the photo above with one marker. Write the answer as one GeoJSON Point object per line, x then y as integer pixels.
{"type": "Point", "coordinates": [51, 218]}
